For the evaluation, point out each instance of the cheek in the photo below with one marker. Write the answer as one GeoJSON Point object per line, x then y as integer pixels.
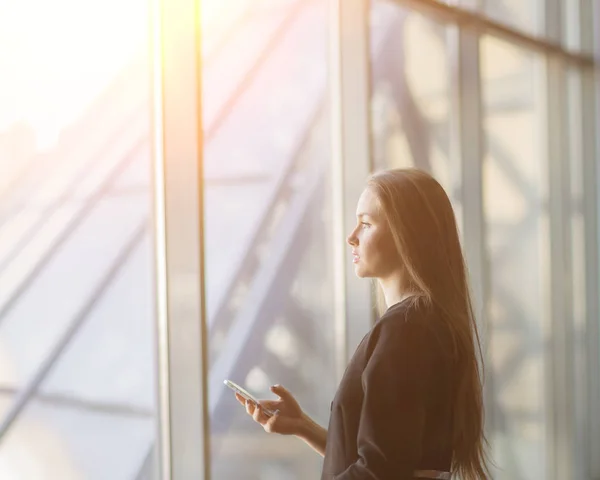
{"type": "Point", "coordinates": [388, 248]}
{"type": "Point", "coordinates": [373, 243]}
{"type": "Point", "coordinates": [378, 247]}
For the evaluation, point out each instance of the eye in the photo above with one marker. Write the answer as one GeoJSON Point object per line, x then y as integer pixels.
{"type": "Point", "coordinates": [365, 224]}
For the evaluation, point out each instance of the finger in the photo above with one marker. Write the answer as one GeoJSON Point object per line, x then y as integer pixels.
{"type": "Point", "coordinates": [259, 416]}
{"type": "Point", "coordinates": [269, 425]}
{"type": "Point", "coordinates": [240, 399]}
{"type": "Point", "coordinates": [250, 408]}
{"type": "Point", "coordinates": [271, 404]}
{"type": "Point", "coordinates": [282, 393]}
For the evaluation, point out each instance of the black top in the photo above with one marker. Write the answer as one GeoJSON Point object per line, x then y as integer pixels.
{"type": "Point", "coordinates": [392, 411]}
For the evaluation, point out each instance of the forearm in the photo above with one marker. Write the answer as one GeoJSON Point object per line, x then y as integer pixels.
{"type": "Point", "coordinates": [313, 434]}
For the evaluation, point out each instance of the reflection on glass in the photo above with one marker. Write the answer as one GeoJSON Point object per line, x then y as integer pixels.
{"type": "Point", "coordinates": [571, 25]}
{"type": "Point", "coordinates": [515, 206]}
{"type": "Point", "coordinates": [6, 400]}
{"type": "Point", "coordinates": [527, 15]}
{"type": "Point", "coordinates": [76, 303]}
{"type": "Point", "coordinates": [267, 237]}
{"type": "Point", "coordinates": [410, 103]}
{"type": "Point", "coordinates": [470, 4]}
{"type": "Point", "coordinates": [578, 21]}
{"type": "Point", "coordinates": [71, 441]}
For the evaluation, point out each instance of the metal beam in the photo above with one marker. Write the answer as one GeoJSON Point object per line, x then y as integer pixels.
{"type": "Point", "coordinates": [559, 367]}
{"type": "Point", "coordinates": [558, 362]}
{"type": "Point", "coordinates": [591, 156]}
{"type": "Point", "coordinates": [66, 400]}
{"type": "Point", "coordinates": [590, 38]}
{"type": "Point", "coordinates": [184, 446]}
{"type": "Point", "coordinates": [351, 164]}
{"type": "Point", "coordinates": [483, 25]}
{"type": "Point", "coordinates": [468, 145]}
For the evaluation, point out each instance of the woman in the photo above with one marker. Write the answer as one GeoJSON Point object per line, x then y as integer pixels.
{"type": "Point", "coordinates": [410, 402]}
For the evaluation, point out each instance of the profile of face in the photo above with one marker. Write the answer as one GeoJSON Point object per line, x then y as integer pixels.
{"type": "Point", "coordinates": [374, 252]}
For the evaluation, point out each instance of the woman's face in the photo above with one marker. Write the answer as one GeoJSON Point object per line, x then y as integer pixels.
{"type": "Point", "coordinates": [374, 253]}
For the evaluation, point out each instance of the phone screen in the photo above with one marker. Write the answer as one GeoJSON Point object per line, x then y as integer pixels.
{"type": "Point", "coordinates": [248, 396]}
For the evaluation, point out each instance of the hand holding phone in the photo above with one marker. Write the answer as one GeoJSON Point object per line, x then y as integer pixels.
{"type": "Point", "coordinates": [283, 416]}
{"type": "Point", "coordinates": [246, 395]}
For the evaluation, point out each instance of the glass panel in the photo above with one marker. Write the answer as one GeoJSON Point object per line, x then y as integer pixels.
{"type": "Point", "coordinates": [571, 24]}
{"type": "Point", "coordinates": [13, 229]}
{"type": "Point", "coordinates": [527, 15]}
{"type": "Point", "coordinates": [110, 359]}
{"type": "Point", "coordinates": [76, 303]}
{"type": "Point", "coordinates": [6, 400]}
{"type": "Point", "coordinates": [470, 4]}
{"type": "Point", "coordinates": [80, 441]}
{"type": "Point", "coordinates": [30, 245]}
{"type": "Point", "coordinates": [515, 206]}
{"type": "Point", "coordinates": [578, 21]}
{"type": "Point", "coordinates": [61, 291]}
{"type": "Point", "coordinates": [136, 176]}
{"type": "Point", "coordinates": [268, 269]}
{"type": "Point", "coordinates": [410, 101]}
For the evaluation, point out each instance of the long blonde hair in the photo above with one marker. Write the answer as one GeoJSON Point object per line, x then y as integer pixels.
{"type": "Point", "coordinates": [423, 226]}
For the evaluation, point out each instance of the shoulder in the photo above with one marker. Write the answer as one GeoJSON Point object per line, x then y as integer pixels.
{"type": "Point", "coordinates": [411, 317]}
{"type": "Point", "coordinates": [410, 329]}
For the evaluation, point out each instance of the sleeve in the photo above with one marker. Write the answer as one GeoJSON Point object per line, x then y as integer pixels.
{"type": "Point", "coordinates": [393, 414]}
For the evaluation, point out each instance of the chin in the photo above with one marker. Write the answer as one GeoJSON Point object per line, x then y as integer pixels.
{"type": "Point", "coordinates": [360, 272]}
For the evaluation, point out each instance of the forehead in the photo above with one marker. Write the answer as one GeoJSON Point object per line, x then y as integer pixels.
{"type": "Point", "coordinates": [368, 203]}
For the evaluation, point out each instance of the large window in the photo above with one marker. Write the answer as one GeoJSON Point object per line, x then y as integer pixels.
{"type": "Point", "coordinates": [124, 303]}
{"type": "Point", "coordinates": [411, 108]}
{"type": "Point", "coordinates": [515, 116]}
{"type": "Point", "coordinates": [77, 374]}
{"type": "Point", "coordinates": [516, 216]}
{"type": "Point", "coordinates": [527, 15]}
{"type": "Point", "coordinates": [267, 224]}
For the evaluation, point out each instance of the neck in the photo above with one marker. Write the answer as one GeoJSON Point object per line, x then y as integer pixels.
{"type": "Point", "coordinates": [393, 290]}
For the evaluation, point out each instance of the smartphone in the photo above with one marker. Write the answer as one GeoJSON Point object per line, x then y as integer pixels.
{"type": "Point", "coordinates": [236, 388]}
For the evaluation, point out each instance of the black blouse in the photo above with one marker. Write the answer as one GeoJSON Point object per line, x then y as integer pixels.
{"type": "Point", "coordinates": [392, 412]}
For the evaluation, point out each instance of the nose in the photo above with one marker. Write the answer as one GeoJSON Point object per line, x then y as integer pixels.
{"type": "Point", "coordinates": [352, 240]}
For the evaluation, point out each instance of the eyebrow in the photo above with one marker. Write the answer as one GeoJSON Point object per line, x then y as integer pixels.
{"type": "Point", "coordinates": [358, 215]}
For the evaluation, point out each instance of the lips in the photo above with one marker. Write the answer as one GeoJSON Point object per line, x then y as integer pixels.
{"type": "Point", "coordinates": [355, 257]}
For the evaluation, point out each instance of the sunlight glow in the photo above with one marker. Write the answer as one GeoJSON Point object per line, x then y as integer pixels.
{"type": "Point", "coordinates": [57, 56]}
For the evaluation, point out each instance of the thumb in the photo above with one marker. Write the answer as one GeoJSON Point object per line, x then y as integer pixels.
{"type": "Point", "coordinates": [282, 393]}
